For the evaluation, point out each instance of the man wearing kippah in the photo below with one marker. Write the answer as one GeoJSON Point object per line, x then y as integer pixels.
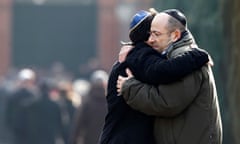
{"type": "Point", "coordinates": [123, 125]}
{"type": "Point", "coordinates": [186, 111]}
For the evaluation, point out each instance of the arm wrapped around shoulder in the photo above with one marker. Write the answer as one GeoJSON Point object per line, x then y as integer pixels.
{"type": "Point", "coordinates": [200, 56]}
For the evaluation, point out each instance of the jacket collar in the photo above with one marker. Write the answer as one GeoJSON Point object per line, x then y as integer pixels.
{"type": "Point", "coordinates": [184, 42]}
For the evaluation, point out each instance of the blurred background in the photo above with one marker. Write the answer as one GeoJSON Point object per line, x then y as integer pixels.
{"type": "Point", "coordinates": [65, 41]}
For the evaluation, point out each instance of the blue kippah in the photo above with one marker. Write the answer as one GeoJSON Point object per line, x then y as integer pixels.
{"type": "Point", "coordinates": [138, 18]}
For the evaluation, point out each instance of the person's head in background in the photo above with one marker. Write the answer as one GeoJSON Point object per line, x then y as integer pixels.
{"type": "Point", "coordinates": [167, 27]}
{"type": "Point", "coordinates": [99, 79]}
{"type": "Point", "coordinates": [27, 78]}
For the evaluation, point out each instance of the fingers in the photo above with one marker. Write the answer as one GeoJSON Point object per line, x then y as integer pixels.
{"type": "Point", "coordinates": [120, 82]}
{"type": "Point", "coordinates": [123, 52]}
{"type": "Point", "coordinates": [129, 73]}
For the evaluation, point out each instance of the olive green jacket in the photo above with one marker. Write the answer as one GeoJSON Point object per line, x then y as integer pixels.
{"type": "Point", "coordinates": [187, 111]}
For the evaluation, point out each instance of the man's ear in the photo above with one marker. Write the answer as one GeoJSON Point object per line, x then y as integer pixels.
{"type": "Point", "coordinates": [176, 35]}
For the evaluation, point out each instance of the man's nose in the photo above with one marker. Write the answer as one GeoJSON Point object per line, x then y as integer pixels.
{"type": "Point", "coordinates": [151, 38]}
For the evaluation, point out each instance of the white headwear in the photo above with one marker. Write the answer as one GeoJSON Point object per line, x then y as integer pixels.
{"type": "Point", "coordinates": [26, 74]}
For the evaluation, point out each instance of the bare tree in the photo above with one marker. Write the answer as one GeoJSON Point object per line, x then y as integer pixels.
{"type": "Point", "coordinates": [231, 18]}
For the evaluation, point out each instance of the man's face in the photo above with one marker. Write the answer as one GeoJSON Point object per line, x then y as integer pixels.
{"type": "Point", "coordinates": [160, 37]}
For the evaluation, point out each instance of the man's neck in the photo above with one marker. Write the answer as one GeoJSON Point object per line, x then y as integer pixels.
{"type": "Point", "coordinates": [166, 49]}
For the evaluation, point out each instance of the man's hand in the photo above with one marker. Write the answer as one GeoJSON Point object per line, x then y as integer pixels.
{"type": "Point", "coordinates": [123, 52]}
{"type": "Point", "coordinates": [122, 79]}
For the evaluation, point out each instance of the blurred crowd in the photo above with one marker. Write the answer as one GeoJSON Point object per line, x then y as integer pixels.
{"type": "Point", "coordinates": [37, 107]}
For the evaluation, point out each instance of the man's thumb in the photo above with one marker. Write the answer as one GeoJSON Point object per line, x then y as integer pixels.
{"type": "Point", "coordinates": [129, 73]}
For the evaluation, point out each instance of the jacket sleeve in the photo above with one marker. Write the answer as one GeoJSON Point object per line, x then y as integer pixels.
{"type": "Point", "coordinates": [157, 71]}
{"type": "Point", "coordinates": [165, 100]}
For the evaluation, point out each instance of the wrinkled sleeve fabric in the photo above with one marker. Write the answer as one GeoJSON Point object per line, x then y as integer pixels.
{"type": "Point", "coordinates": [165, 100]}
{"type": "Point", "coordinates": [171, 70]}
{"type": "Point", "coordinates": [149, 66]}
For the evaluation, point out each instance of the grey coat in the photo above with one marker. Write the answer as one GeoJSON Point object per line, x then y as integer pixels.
{"type": "Point", "coordinates": [187, 111]}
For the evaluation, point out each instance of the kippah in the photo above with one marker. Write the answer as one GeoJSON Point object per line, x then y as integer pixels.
{"type": "Point", "coordinates": [177, 15]}
{"type": "Point", "coordinates": [138, 18]}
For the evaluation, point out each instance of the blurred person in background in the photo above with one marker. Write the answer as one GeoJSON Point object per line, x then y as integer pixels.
{"type": "Point", "coordinates": [44, 123]}
{"type": "Point", "coordinates": [5, 136]}
{"type": "Point", "coordinates": [89, 118]}
{"type": "Point", "coordinates": [67, 108]}
{"type": "Point", "coordinates": [18, 102]}
{"type": "Point", "coordinates": [81, 88]}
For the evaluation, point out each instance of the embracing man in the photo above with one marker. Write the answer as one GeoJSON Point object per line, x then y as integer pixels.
{"type": "Point", "coordinates": [186, 111]}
